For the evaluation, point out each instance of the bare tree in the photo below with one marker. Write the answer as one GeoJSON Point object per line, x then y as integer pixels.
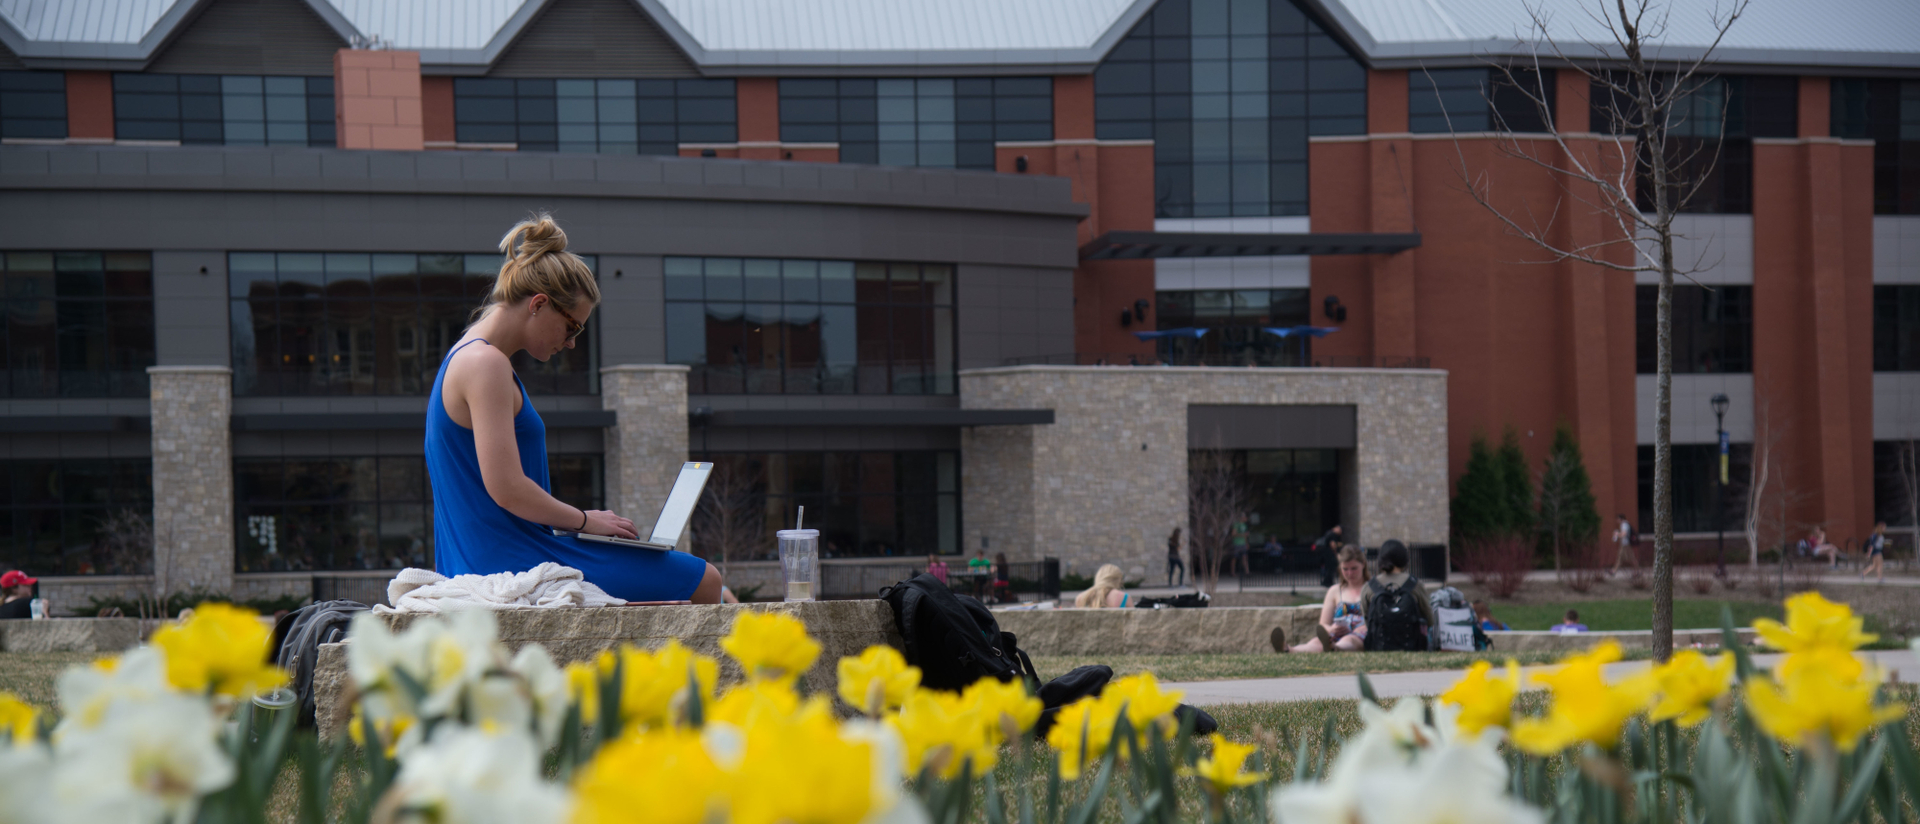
{"type": "Point", "coordinates": [1645, 99]}
{"type": "Point", "coordinates": [1906, 459]}
{"type": "Point", "coordinates": [731, 520]}
{"type": "Point", "coordinates": [1765, 498]}
{"type": "Point", "coordinates": [1216, 501]}
{"type": "Point", "coordinates": [133, 548]}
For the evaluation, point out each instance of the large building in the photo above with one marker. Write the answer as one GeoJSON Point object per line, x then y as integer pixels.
{"type": "Point", "coordinates": [893, 261]}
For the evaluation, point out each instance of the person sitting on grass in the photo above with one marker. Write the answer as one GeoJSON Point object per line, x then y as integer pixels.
{"type": "Point", "coordinates": [16, 588]}
{"type": "Point", "coordinates": [1394, 624]}
{"type": "Point", "coordinates": [1107, 592]}
{"type": "Point", "coordinates": [1572, 624]}
{"type": "Point", "coordinates": [1342, 625]}
{"type": "Point", "coordinates": [1483, 615]}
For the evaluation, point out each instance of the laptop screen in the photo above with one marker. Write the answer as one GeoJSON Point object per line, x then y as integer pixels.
{"type": "Point", "coordinates": [680, 502]}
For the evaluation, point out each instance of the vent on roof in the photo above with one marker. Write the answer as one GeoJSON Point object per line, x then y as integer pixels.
{"type": "Point", "coordinates": [593, 38]}
{"type": "Point", "coordinates": [282, 37]}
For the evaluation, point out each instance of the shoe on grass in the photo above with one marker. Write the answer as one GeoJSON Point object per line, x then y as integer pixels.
{"type": "Point", "coordinates": [1279, 639]}
{"type": "Point", "coordinates": [1326, 638]}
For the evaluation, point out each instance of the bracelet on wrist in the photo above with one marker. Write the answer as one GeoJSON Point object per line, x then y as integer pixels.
{"type": "Point", "coordinates": [583, 521]}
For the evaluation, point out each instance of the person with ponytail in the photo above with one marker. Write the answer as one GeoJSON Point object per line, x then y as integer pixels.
{"type": "Point", "coordinates": [493, 510]}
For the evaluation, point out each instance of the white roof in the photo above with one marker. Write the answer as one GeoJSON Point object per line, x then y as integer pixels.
{"type": "Point", "coordinates": [999, 36]}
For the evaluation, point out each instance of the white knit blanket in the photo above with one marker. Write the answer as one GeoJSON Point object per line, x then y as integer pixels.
{"type": "Point", "coordinates": [547, 585]}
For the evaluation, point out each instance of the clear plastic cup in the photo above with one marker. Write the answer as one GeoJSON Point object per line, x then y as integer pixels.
{"type": "Point", "coordinates": [800, 562]}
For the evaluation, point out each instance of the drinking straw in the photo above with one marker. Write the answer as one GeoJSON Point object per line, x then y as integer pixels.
{"type": "Point", "coordinates": [800, 520]}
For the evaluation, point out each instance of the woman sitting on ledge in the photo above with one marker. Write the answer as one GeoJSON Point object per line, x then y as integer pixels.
{"type": "Point", "coordinates": [487, 447]}
{"type": "Point", "coordinates": [1106, 591]}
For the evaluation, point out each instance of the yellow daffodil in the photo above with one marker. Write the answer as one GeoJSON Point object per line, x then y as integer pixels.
{"type": "Point", "coordinates": [1585, 707]}
{"type": "Point", "coordinates": [1081, 733]}
{"type": "Point", "coordinates": [771, 646]}
{"type": "Point", "coordinates": [655, 687]}
{"type": "Point", "coordinates": [1812, 704]}
{"type": "Point", "coordinates": [1144, 701]}
{"type": "Point", "coordinates": [665, 773]}
{"type": "Point", "coordinates": [1222, 769]}
{"type": "Point", "coordinates": [389, 730]}
{"type": "Point", "coordinates": [1688, 685]}
{"type": "Point", "coordinates": [1819, 634]}
{"type": "Point", "coordinates": [942, 733]}
{"type": "Point", "coordinates": [804, 770]}
{"type": "Point", "coordinates": [877, 681]}
{"type": "Point", "coordinates": [1005, 708]}
{"type": "Point", "coordinates": [17, 718]}
{"type": "Point", "coordinates": [583, 687]}
{"type": "Point", "coordinates": [1484, 702]}
{"type": "Point", "coordinates": [221, 649]}
{"type": "Point", "coordinates": [754, 702]}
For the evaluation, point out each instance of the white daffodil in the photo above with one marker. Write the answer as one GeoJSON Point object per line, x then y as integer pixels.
{"type": "Point", "coordinates": [464, 775]}
{"type": "Point", "coordinates": [88, 692]}
{"type": "Point", "coordinates": [1465, 781]}
{"type": "Point", "coordinates": [150, 759]}
{"type": "Point", "coordinates": [459, 657]}
{"type": "Point", "coordinates": [546, 684]}
{"type": "Point", "coordinates": [1392, 739]}
{"type": "Point", "coordinates": [23, 784]}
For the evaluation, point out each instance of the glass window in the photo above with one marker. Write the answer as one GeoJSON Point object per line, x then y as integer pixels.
{"type": "Point", "coordinates": [77, 517]}
{"type": "Point", "coordinates": [77, 324]}
{"type": "Point", "coordinates": [1237, 324]}
{"type": "Point", "coordinates": [1888, 113]}
{"type": "Point", "coordinates": [1896, 328]}
{"type": "Point", "coordinates": [1478, 100]}
{"type": "Point", "coordinates": [293, 514]}
{"type": "Point", "coordinates": [371, 324]}
{"type": "Point", "coordinates": [1697, 496]}
{"type": "Point", "coordinates": [1709, 139]}
{"type": "Point", "coordinates": [1229, 91]}
{"type": "Point", "coordinates": [610, 115]}
{"type": "Point", "coordinates": [1896, 487]}
{"type": "Point", "coordinates": [811, 327]}
{"type": "Point", "coordinates": [865, 504]}
{"type": "Point", "coordinates": [931, 121]}
{"type": "Point", "coordinates": [1293, 495]}
{"type": "Point", "coordinates": [33, 105]}
{"type": "Point", "coordinates": [231, 110]}
{"type": "Point", "coordinates": [1712, 329]}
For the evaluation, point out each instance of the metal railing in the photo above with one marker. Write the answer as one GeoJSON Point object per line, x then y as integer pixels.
{"type": "Point", "coordinates": [1264, 361]}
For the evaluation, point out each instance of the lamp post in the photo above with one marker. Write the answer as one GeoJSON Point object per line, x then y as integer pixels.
{"type": "Point", "coordinates": [1720, 404]}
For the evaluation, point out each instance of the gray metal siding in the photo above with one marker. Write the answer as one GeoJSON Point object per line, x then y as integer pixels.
{"type": "Point", "coordinates": [631, 320]}
{"type": "Point", "coordinates": [1270, 427]}
{"type": "Point", "coordinates": [822, 439]}
{"type": "Point", "coordinates": [48, 446]}
{"type": "Point", "coordinates": [276, 37]}
{"type": "Point", "coordinates": [592, 38]}
{"type": "Point", "coordinates": [190, 309]}
{"type": "Point", "coordinates": [1007, 312]}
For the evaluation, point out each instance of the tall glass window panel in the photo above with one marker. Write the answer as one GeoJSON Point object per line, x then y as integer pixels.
{"type": "Point", "coordinates": [1478, 100]}
{"type": "Point", "coordinates": [606, 115]}
{"type": "Point", "coordinates": [76, 516]}
{"type": "Point", "coordinates": [1236, 323]}
{"type": "Point", "coordinates": [1896, 328]}
{"type": "Point", "coordinates": [1888, 113]}
{"type": "Point", "coordinates": [1712, 329]}
{"type": "Point", "coordinates": [764, 326]}
{"type": "Point", "coordinates": [936, 122]}
{"type": "Point", "coordinates": [1709, 137]}
{"type": "Point", "coordinates": [865, 504]}
{"type": "Point", "coordinates": [33, 105]}
{"type": "Point", "coordinates": [77, 324]}
{"type": "Point", "coordinates": [370, 324]}
{"type": "Point", "coordinates": [1229, 91]}
{"type": "Point", "coordinates": [233, 110]}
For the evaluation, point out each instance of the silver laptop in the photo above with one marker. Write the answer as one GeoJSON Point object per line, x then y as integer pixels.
{"type": "Point", "coordinates": [673, 517]}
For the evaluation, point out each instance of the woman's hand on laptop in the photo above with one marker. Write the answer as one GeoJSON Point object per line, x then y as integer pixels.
{"type": "Point", "coordinates": [602, 522]}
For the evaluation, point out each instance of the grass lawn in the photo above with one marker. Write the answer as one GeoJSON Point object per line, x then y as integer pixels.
{"type": "Point", "coordinates": [1271, 665]}
{"type": "Point", "coordinates": [1634, 614]}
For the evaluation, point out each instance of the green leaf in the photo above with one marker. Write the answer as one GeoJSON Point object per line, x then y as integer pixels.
{"type": "Point", "coordinates": [1366, 687]}
{"type": "Point", "coordinates": [1730, 642]}
{"type": "Point", "coordinates": [1863, 780]}
{"type": "Point", "coordinates": [1084, 813]}
{"type": "Point", "coordinates": [993, 807]}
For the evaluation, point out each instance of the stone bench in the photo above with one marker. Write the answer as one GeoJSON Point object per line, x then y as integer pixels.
{"type": "Point", "coordinates": [1211, 630]}
{"type": "Point", "coordinates": [1542, 641]}
{"type": "Point", "coordinates": [71, 635]}
{"type": "Point", "coordinates": [843, 628]}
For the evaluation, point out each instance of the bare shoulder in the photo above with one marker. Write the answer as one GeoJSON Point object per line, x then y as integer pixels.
{"type": "Point", "coordinates": [480, 361]}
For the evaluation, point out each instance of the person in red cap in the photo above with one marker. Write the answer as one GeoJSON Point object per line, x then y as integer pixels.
{"type": "Point", "coordinates": [17, 591]}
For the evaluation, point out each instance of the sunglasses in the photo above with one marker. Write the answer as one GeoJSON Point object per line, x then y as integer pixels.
{"type": "Point", "coordinates": [574, 327]}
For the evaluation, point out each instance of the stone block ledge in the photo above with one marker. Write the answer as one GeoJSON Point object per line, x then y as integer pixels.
{"type": "Point", "coordinates": [843, 628]}
{"type": "Point", "coordinates": [73, 634]}
{"type": "Point", "coordinates": [1211, 630]}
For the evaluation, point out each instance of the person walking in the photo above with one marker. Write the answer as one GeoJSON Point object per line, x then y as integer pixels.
{"type": "Point", "coordinates": [1240, 546]}
{"type": "Point", "coordinates": [1343, 623]}
{"type": "Point", "coordinates": [1324, 549]}
{"type": "Point", "coordinates": [1623, 539]}
{"type": "Point", "coordinates": [1876, 553]}
{"type": "Point", "coordinates": [1173, 559]}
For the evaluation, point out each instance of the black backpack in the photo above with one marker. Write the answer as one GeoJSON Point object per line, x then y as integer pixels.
{"type": "Point", "coordinates": [953, 639]}
{"type": "Point", "coordinates": [1394, 619]}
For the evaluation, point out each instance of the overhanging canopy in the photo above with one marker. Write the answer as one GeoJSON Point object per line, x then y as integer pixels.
{"type": "Point", "coordinates": [1138, 245]}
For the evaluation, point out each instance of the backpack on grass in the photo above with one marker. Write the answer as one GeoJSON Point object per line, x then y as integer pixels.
{"type": "Point", "coordinates": [1395, 621]}
{"type": "Point", "coordinates": [952, 638]}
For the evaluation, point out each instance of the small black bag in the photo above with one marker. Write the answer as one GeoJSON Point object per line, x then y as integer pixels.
{"type": "Point", "coordinates": [1090, 680]}
{"type": "Point", "coordinates": [953, 639]}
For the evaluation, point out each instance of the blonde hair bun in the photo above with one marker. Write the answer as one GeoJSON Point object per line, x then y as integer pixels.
{"type": "Point", "coordinates": [538, 263]}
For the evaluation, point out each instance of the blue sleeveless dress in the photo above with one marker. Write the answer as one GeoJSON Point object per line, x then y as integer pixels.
{"type": "Point", "coordinates": [474, 535]}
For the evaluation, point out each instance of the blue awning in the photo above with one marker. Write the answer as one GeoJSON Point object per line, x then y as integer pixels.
{"type": "Point", "coordinates": [1183, 332]}
{"type": "Point", "coordinates": [1292, 331]}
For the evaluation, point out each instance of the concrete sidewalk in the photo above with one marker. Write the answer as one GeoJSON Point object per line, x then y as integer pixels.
{"type": "Point", "coordinates": [1398, 684]}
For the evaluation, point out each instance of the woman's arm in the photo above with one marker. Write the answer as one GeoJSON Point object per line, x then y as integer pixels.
{"type": "Point", "coordinates": [1327, 606]}
{"type": "Point", "coordinates": [486, 386]}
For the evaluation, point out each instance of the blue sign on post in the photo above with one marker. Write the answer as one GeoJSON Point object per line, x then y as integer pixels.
{"type": "Point", "coordinates": [1725, 448]}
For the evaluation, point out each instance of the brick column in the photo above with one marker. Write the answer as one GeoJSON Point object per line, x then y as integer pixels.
{"type": "Point", "coordinates": [645, 448]}
{"type": "Point", "coordinates": [376, 100]}
{"type": "Point", "coordinates": [192, 477]}
{"type": "Point", "coordinates": [90, 107]}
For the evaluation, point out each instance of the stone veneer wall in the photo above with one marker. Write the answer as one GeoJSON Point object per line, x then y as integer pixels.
{"type": "Point", "coordinates": [193, 477]}
{"type": "Point", "coordinates": [1107, 480]}
{"type": "Point", "coordinates": [645, 449]}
